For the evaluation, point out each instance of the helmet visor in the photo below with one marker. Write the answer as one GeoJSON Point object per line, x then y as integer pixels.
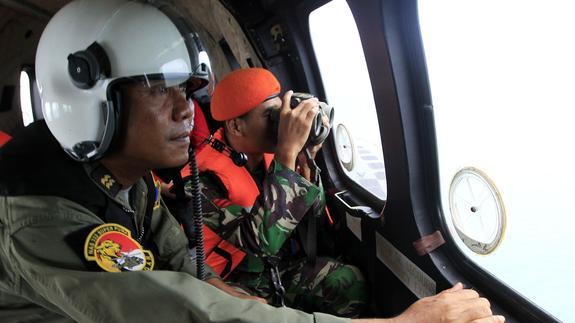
{"type": "Point", "coordinates": [156, 86]}
{"type": "Point", "coordinates": [201, 74]}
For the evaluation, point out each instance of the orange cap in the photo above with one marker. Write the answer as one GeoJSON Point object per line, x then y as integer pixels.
{"type": "Point", "coordinates": [241, 91]}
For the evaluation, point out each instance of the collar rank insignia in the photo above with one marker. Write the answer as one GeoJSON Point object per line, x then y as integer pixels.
{"type": "Point", "coordinates": [111, 246]}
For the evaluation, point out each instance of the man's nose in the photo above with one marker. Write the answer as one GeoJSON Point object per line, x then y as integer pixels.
{"type": "Point", "coordinates": [183, 109]}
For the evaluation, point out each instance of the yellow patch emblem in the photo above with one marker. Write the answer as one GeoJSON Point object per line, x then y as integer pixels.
{"type": "Point", "coordinates": [111, 246]}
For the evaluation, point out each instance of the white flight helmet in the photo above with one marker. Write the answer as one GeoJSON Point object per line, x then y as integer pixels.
{"type": "Point", "coordinates": [91, 46]}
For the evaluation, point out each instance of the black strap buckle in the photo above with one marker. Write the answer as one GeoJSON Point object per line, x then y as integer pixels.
{"type": "Point", "coordinates": [315, 170]}
{"type": "Point", "coordinates": [279, 290]}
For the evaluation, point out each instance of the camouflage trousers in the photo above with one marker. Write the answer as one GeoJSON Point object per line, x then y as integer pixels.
{"type": "Point", "coordinates": [329, 287]}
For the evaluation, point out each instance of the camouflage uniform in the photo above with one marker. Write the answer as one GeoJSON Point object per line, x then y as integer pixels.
{"type": "Point", "coordinates": [265, 230]}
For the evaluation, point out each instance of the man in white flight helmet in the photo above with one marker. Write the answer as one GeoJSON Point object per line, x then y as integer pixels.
{"type": "Point", "coordinates": [84, 235]}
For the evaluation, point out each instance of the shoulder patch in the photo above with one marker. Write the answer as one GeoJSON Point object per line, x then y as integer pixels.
{"type": "Point", "coordinates": [111, 246]}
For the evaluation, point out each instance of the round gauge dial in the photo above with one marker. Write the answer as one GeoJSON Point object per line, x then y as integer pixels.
{"type": "Point", "coordinates": [477, 210]}
{"type": "Point", "coordinates": [344, 147]}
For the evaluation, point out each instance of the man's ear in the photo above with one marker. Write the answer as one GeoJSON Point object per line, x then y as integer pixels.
{"type": "Point", "coordinates": [235, 127]}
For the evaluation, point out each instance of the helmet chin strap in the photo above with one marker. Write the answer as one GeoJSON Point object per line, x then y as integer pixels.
{"type": "Point", "coordinates": [90, 150]}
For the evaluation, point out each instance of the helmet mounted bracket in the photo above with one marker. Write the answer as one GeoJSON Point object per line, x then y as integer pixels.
{"type": "Point", "coordinates": [87, 66]}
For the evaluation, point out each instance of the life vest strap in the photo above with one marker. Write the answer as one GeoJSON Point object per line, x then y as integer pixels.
{"type": "Point", "coordinates": [222, 256]}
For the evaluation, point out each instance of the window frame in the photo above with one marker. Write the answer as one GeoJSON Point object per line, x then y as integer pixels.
{"type": "Point", "coordinates": [35, 100]}
{"type": "Point", "coordinates": [329, 148]}
{"type": "Point", "coordinates": [407, 59]}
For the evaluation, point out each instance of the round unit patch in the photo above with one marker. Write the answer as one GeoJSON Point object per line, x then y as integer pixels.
{"type": "Point", "coordinates": [111, 246]}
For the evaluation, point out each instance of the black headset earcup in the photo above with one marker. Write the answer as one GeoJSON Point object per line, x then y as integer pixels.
{"type": "Point", "coordinates": [86, 67]}
{"type": "Point", "coordinates": [239, 159]}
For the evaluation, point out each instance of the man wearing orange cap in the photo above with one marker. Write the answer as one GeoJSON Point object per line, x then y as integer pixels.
{"type": "Point", "coordinates": [257, 207]}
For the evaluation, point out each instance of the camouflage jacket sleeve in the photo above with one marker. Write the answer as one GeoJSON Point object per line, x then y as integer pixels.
{"type": "Point", "coordinates": [284, 199]}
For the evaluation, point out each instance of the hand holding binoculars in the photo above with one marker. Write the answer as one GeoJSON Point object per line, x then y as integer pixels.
{"type": "Point", "coordinates": [319, 131]}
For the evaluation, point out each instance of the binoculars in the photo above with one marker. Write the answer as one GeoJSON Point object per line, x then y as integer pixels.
{"type": "Point", "coordinates": [318, 132]}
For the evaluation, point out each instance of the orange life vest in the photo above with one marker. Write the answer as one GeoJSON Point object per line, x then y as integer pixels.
{"type": "Point", "coordinates": [221, 255]}
{"type": "Point", "coordinates": [242, 190]}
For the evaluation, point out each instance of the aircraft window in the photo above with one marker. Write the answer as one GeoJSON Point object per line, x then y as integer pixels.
{"type": "Point", "coordinates": [26, 97]}
{"type": "Point", "coordinates": [501, 75]}
{"type": "Point", "coordinates": [341, 61]}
